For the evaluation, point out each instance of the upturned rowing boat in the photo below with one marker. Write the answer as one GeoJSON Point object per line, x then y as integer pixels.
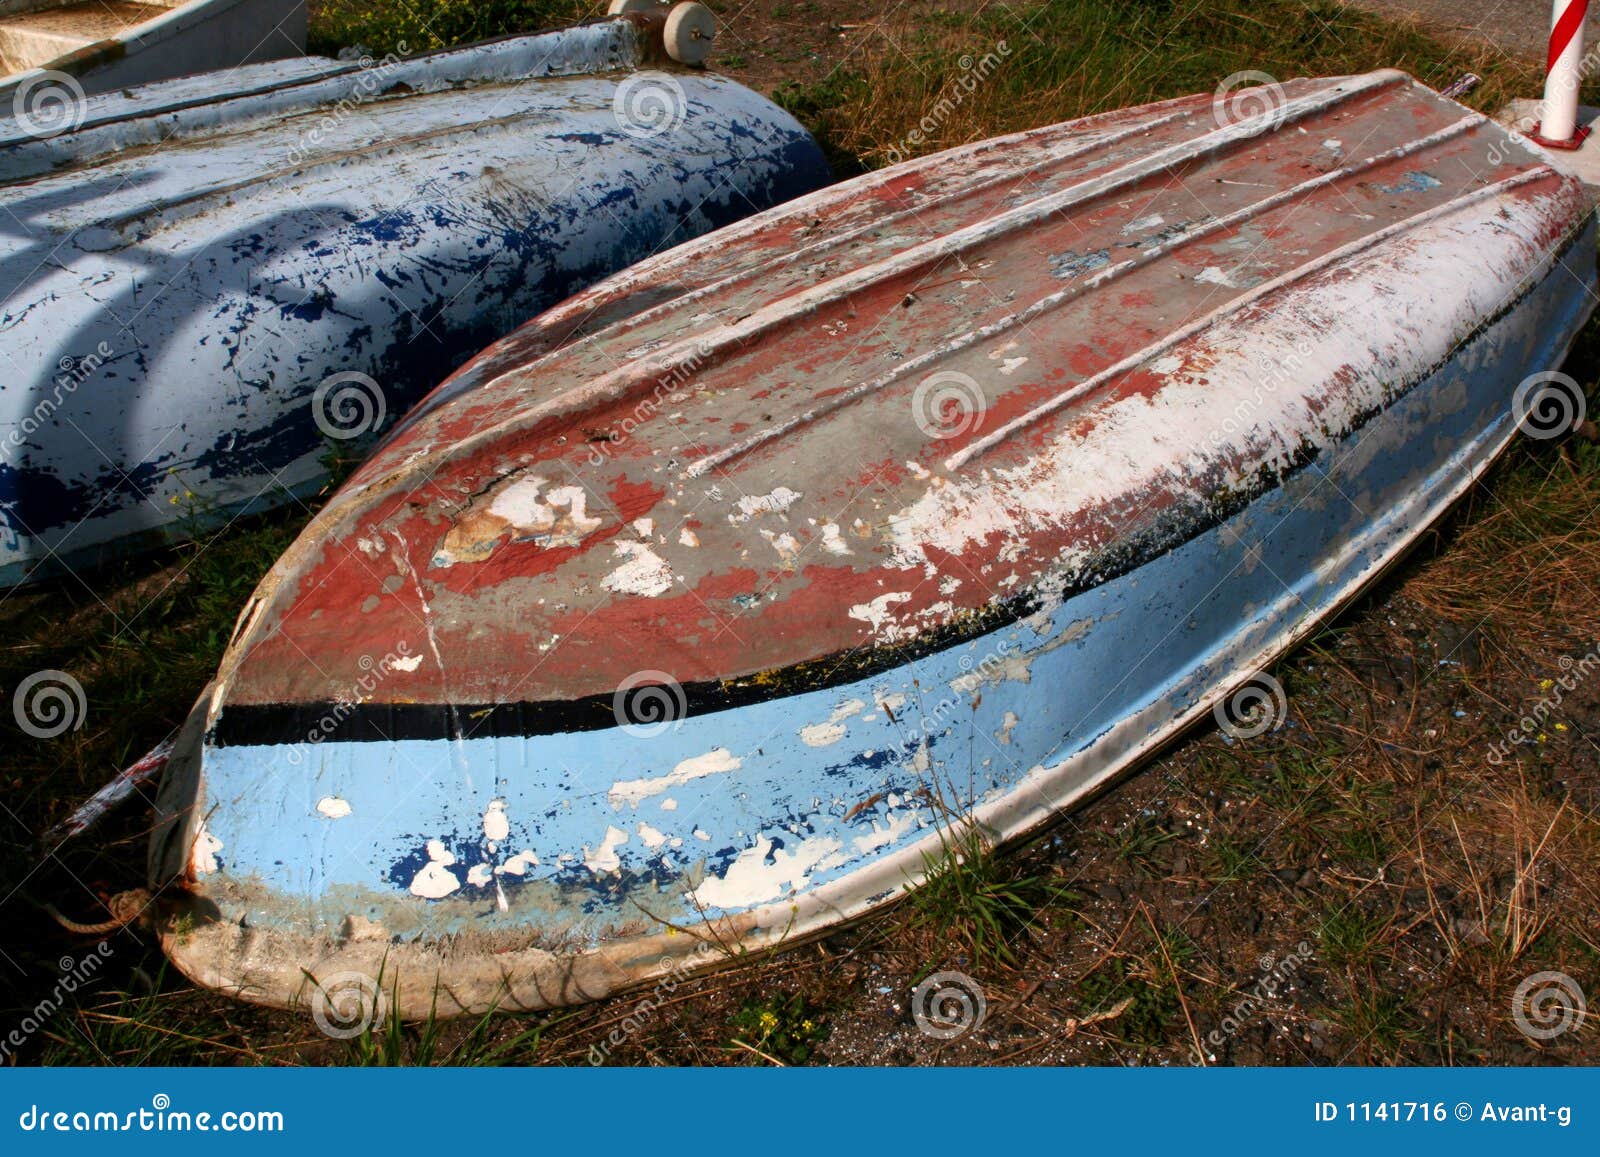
{"type": "Point", "coordinates": [701, 608]}
{"type": "Point", "coordinates": [209, 281]}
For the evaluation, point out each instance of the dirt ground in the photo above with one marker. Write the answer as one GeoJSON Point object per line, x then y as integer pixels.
{"type": "Point", "coordinates": [1516, 27]}
{"type": "Point", "coordinates": [1368, 882]}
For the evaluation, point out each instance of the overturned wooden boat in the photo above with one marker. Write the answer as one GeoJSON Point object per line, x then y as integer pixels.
{"type": "Point", "coordinates": [51, 48]}
{"type": "Point", "coordinates": [213, 279]}
{"type": "Point", "coordinates": [695, 612]}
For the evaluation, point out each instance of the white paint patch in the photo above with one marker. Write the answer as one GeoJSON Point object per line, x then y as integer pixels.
{"type": "Point", "coordinates": [832, 540]}
{"type": "Point", "coordinates": [558, 518]}
{"type": "Point", "coordinates": [687, 537]}
{"type": "Point", "coordinates": [333, 807]}
{"type": "Point", "coordinates": [436, 881]}
{"type": "Point", "coordinates": [750, 879]}
{"type": "Point", "coordinates": [408, 664]}
{"type": "Point", "coordinates": [1214, 276]}
{"type": "Point", "coordinates": [700, 835]}
{"type": "Point", "coordinates": [834, 728]}
{"type": "Point", "coordinates": [775, 503]}
{"type": "Point", "coordinates": [897, 826]}
{"type": "Point", "coordinates": [652, 837]}
{"type": "Point", "coordinates": [669, 804]}
{"type": "Point", "coordinates": [496, 825]}
{"type": "Point", "coordinates": [644, 573]}
{"type": "Point", "coordinates": [787, 546]}
{"type": "Point", "coordinates": [713, 762]}
{"type": "Point", "coordinates": [644, 527]}
{"type": "Point", "coordinates": [605, 859]}
{"type": "Point", "coordinates": [519, 864]}
{"type": "Point", "coordinates": [1011, 365]}
{"type": "Point", "coordinates": [203, 852]}
{"type": "Point", "coordinates": [1143, 224]}
{"type": "Point", "coordinates": [894, 702]}
{"type": "Point", "coordinates": [876, 613]}
{"type": "Point", "coordinates": [479, 875]}
{"type": "Point", "coordinates": [823, 734]}
{"type": "Point", "coordinates": [1008, 724]}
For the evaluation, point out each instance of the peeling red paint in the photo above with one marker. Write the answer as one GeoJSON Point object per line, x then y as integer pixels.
{"type": "Point", "coordinates": [797, 443]}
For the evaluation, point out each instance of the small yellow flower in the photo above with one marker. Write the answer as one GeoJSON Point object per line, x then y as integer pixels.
{"type": "Point", "coordinates": [1561, 726]}
{"type": "Point", "coordinates": [807, 1025]}
{"type": "Point", "coordinates": [1541, 737]}
{"type": "Point", "coordinates": [769, 1020]}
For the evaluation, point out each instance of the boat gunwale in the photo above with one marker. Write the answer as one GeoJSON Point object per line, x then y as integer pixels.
{"type": "Point", "coordinates": [336, 70]}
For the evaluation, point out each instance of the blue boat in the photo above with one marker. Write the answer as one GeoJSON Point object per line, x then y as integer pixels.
{"type": "Point", "coordinates": [701, 614]}
{"type": "Point", "coordinates": [208, 282]}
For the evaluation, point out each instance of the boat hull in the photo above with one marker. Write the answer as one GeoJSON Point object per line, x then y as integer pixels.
{"type": "Point", "coordinates": [663, 633]}
{"type": "Point", "coordinates": [265, 286]}
{"type": "Point", "coordinates": [1052, 701]}
{"type": "Point", "coordinates": [192, 37]}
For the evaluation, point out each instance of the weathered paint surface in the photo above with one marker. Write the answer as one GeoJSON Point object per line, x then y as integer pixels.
{"type": "Point", "coordinates": [1190, 453]}
{"type": "Point", "coordinates": [196, 36]}
{"type": "Point", "coordinates": [170, 312]}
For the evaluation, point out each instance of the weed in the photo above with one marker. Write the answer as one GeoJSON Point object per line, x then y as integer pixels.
{"type": "Point", "coordinates": [1155, 1007]}
{"type": "Point", "coordinates": [1350, 938]}
{"type": "Point", "coordinates": [421, 25]}
{"type": "Point", "coordinates": [778, 1028]}
{"type": "Point", "coordinates": [975, 901]}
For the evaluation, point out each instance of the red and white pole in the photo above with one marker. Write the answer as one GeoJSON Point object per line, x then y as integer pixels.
{"type": "Point", "coordinates": [1558, 125]}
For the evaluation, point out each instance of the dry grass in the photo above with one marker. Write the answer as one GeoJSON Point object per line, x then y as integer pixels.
{"type": "Point", "coordinates": [1073, 59]}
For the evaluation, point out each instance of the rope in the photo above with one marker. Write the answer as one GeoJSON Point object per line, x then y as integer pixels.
{"type": "Point", "coordinates": [125, 908]}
